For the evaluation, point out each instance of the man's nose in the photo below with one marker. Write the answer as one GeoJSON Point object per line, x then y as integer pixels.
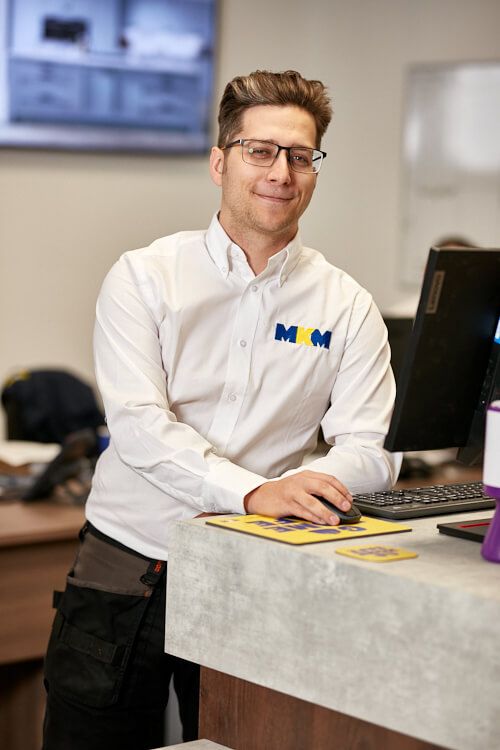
{"type": "Point", "coordinates": [280, 169]}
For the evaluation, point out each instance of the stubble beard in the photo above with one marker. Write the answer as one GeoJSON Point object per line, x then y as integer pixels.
{"type": "Point", "coordinates": [248, 219]}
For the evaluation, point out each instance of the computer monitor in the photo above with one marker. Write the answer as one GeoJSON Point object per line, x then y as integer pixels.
{"type": "Point", "coordinates": [451, 368]}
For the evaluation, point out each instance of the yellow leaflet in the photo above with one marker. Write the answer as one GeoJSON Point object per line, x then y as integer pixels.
{"type": "Point", "coordinates": [377, 553]}
{"type": "Point", "coordinates": [295, 531]}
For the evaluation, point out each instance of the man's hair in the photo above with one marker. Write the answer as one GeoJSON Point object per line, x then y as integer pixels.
{"type": "Point", "coordinates": [454, 240]}
{"type": "Point", "coordinates": [275, 89]}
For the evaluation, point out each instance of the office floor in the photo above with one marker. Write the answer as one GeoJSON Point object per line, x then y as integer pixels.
{"type": "Point", "coordinates": [173, 728]}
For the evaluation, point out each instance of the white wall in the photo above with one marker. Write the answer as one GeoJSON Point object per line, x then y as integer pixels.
{"type": "Point", "coordinates": [64, 218]}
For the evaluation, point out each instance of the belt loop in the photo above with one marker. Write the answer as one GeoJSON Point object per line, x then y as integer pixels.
{"type": "Point", "coordinates": [56, 599]}
{"type": "Point", "coordinates": [154, 572]}
{"type": "Point", "coordinates": [58, 624]}
{"type": "Point", "coordinates": [83, 531]}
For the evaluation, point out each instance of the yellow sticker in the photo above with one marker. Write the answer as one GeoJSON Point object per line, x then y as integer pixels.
{"type": "Point", "coordinates": [377, 553]}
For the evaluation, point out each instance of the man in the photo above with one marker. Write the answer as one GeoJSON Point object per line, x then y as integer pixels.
{"type": "Point", "coordinates": [218, 355]}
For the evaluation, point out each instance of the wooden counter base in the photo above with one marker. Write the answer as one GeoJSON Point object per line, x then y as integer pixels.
{"type": "Point", "coordinates": [245, 716]}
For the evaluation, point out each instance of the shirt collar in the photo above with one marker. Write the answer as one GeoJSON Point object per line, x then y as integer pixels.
{"type": "Point", "coordinates": [221, 249]}
{"type": "Point", "coordinates": [218, 245]}
{"type": "Point", "coordinates": [290, 254]}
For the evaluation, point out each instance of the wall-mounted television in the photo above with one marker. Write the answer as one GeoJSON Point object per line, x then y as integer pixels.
{"type": "Point", "coordinates": [107, 75]}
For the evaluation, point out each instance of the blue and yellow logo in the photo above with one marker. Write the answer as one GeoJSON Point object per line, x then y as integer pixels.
{"type": "Point", "coordinates": [301, 335]}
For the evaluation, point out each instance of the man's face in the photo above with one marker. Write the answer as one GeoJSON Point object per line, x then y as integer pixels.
{"type": "Point", "coordinates": [265, 200]}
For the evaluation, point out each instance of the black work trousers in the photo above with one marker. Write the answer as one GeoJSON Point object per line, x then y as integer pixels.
{"type": "Point", "coordinates": [106, 674]}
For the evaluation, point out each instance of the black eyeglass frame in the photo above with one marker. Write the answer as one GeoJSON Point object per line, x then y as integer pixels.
{"type": "Point", "coordinates": [241, 142]}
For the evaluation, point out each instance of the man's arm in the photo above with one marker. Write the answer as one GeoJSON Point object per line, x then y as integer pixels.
{"type": "Point", "coordinates": [144, 431]}
{"type": "Point", "coordinates": [361, 407]}
{"type": "Point", "coordinates": [355, 425]}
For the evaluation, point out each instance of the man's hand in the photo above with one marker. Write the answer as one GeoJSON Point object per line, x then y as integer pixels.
{"type": "Point", "coordinates": [294, 496]}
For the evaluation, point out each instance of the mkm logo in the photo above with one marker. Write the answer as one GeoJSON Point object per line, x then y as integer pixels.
{"type": "Point", "coordinates": [300, 335]}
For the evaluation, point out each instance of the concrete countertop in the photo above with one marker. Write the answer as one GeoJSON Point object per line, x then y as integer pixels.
{"type": "Point", "coordinates": [412, 645]}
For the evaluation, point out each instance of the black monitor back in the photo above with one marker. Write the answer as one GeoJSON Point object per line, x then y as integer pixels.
{"type": "Point", "coordinates": [449, 350]}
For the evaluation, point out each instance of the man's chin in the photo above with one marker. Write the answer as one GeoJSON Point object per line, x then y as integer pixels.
{"type": "Point", "coordinates": [286, 233]}
{"type": "Point", "coordinates": [273, 225]}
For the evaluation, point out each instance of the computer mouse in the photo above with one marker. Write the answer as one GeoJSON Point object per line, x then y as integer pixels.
{"type": "Point", "coordinates": [353, 515]}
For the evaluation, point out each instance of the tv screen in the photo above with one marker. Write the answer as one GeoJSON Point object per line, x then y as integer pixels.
{"type": "Point", "coordinates": [114, 75]}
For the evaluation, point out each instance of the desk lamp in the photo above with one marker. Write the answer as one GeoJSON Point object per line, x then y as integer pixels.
{"type": "Point", "coordinates": [491, 480]}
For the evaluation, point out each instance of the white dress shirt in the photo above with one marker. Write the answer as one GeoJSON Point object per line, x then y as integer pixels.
{"type": "Point", "coordinates": [215, 380]}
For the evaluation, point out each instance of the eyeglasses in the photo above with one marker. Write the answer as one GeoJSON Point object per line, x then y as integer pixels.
{"type": "Point", "coordinates": [264, 154]}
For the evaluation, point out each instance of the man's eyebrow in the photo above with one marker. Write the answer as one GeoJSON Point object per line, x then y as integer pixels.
{"type": "Point", "coordinates": [275, 143]}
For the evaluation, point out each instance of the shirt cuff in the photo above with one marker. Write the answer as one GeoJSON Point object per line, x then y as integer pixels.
{"type": "Point", "coordinates": [225, 487]}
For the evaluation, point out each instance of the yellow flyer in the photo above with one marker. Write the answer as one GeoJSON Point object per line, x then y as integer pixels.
{"type": "Point", "coordinates": [296, 531]}
{"type": "Point", "coordinates": [377, 553]}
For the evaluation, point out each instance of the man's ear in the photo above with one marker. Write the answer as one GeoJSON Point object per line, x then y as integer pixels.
{"type": "Point", "coordinates": [216, 165]}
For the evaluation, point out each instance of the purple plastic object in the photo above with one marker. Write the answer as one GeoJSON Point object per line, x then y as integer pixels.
{"type": "Point", "coordinates": [490, 549]}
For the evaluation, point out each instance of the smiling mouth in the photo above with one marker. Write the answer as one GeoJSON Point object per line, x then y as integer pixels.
{"type": "Point", "coordinates": [274, 198]}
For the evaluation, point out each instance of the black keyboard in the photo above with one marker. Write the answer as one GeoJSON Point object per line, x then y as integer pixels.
{"type": "Point", "coordinates": [424, 501]}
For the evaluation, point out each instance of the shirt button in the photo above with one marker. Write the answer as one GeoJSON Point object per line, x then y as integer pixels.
{"type": "Point", "coordinates": [254, 288]}
{"type": "Point", "coordinates": [224, 269]}
{"type": "Point", "coordinates": [232, 396]}
{"type": "Point", "coordinates": [243, 343]}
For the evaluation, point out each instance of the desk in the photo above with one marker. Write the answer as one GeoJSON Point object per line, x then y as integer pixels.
{"type": "Point", "coordinates": [37, 546]}
{"type": "Point", "coordinates": [449, 473]}
{"type": "Point", "coordinates": [303, 648]}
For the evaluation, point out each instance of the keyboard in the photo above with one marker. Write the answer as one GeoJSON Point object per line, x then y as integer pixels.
{"type": "Point", "coordinates": [424, 501]}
